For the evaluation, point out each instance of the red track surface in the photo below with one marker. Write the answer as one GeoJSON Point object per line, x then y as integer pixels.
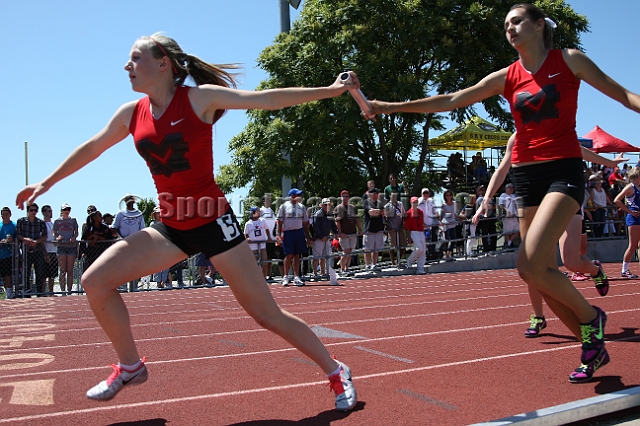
{"type": "Point", "coordinates": [441, 349]}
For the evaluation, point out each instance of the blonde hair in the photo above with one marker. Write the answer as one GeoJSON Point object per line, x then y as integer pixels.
{"type": "Point", "coordinates": [634, 173]}
{"type": "Point", "coordinates": [184, 65]}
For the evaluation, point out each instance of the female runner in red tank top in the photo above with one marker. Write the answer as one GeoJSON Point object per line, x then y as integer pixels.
{"type": "Point", "coordinates": [542, 88]}
{"type": "Point", "coordinates": [172, 130]}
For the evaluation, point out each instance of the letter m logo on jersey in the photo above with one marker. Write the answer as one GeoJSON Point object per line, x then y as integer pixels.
{"type": "Point", "coordinates": [540, 106]}
{"type": "Point", "coordinates": [165, 158]}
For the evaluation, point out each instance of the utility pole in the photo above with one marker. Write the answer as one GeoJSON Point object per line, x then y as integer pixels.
{"type": "Point", "coordinates": [285, 27]}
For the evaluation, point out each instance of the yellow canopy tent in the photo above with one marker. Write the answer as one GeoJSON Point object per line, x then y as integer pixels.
{"type": "Point", "coordinates": [476, 134]}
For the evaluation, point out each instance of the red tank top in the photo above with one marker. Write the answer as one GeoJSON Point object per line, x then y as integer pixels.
{"type": "Point", "coordinates": [544, 107]}
{"type": "Point", "coordinates": [178, 149]}
{"type": "Point", "coordinates": [414, 220]}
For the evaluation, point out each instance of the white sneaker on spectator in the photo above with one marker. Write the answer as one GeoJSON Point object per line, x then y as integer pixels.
{"type": "Point", "coordinates": [285, 281]}
{"type": "Point", "coordinates": [297, 281]}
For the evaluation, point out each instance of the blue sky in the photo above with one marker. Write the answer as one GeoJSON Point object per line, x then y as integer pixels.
{"type": "Point", "coordinates": [64, 79]}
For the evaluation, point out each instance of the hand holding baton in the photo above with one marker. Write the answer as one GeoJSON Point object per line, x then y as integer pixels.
{"type": "Point", "coordinates": [357, 94]}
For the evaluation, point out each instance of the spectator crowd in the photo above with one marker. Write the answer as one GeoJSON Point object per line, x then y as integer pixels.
{"type": "Point", "coordinates": [322, 238]}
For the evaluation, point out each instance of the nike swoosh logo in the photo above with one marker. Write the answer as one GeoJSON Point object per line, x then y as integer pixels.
{"type": "Point", "coordinates": [600, 332]}
{"type": "Point", "coordinates": [553, 75]}
{"type": "Point", "coordinates": [571, 186]}
{"type": "Point", "coordinates": [124, 382]}
{"type": "Point", "coordinates": [173, 123]}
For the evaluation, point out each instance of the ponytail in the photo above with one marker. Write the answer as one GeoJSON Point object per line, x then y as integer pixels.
{"type": "Point", "coordinates": [184, 65]}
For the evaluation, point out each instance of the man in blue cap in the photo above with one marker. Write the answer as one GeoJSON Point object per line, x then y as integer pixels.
{"type": "Point", "coordinates": [293, 234]}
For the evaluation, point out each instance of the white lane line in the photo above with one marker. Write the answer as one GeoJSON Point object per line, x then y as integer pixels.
{"type": "Point", "coordinates": [236, 308]}
{"type": "Point", "coordinates": [281, 350]}
{"type": "Point", "coordinates": [393, 357]}
{"type": "Point", "coordinates": [378, 319]}
{"type": "Point", "coordinates": [277, 388]}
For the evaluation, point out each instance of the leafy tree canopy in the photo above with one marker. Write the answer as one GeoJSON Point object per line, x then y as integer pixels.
{"type": "Point", "coordinates": [400, 50]}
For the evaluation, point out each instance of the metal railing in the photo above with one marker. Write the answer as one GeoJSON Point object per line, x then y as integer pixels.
{"type": "Point", "coordinates": [30, 277]}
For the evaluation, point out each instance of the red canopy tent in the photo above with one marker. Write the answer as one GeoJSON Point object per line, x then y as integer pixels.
{"type": "Point", "coordinates": [604, 142]}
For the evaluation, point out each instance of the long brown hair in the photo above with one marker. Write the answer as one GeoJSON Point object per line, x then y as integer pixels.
{"type": "Point", "coordinates": [184, 65]}
{"type": "Point", "coordinates": [535, 13]}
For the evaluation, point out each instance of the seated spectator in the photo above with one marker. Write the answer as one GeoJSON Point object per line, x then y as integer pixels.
{"type": "Point", "coordinates": [616, 181]}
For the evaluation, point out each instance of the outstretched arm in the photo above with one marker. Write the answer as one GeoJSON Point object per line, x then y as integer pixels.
{"type": "Point", "coordinates": [208, 98]}
{"type": "Point", "coordinates": [116, 130]}
{"type": "Point", "coordinates": [585, 69]}
{"type": "Point", "coordinates": [491, 85]}
{"type": "Point", "coordinates": [592, 157]}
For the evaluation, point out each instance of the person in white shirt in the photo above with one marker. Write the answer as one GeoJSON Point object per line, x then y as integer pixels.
{"type": "Point", "coordinates": [510, 223]}
{"type": "Point", "coordinates": [129, 220]}
{"type": "Point", "coordinates": [274, 251]}
{"type": "Point", "coordinates": [256, 231]}
{"type": "Point", "coordinates": [431, 218]}
{"type": "Point", "coordinates": [51, 257]}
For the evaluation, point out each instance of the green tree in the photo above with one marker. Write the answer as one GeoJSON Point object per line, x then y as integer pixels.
{"type": "Point", "coordinates": [146, 206]}
{"type": "Point", "coordinates": [401, 50]}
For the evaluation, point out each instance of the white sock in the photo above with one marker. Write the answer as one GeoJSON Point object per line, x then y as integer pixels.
{"type": "Point", "coordinates": [335, 372]}
{"type": "Point", "coordinates": [625, 267]}
{"type": "Point", "coordinates": [130, 368]}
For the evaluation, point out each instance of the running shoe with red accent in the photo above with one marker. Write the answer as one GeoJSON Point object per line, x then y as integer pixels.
{"type": "Point", "coordinates": [579, 276]}
{"type": "Point", "coordinates": [629, 274]}
{"type": "Point", "coordinates": [594, 354]}
{"type": "Point", "coordinates": [120, 378]}
{"type": "Point", "coordinates": [536, 325]}
{"type": "Point", "coordinates": [342, 386]}
{"type": "Point", "coordinates": [600, 279]}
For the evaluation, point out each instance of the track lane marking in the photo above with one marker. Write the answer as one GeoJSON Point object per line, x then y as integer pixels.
{"type": "Point", "coordinates": [280, 388]}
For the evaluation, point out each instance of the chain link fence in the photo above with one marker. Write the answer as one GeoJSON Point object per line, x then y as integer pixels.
{"type": "Point", "coordinates": [27, 272]}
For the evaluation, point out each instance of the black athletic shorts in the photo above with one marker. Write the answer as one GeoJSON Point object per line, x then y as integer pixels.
{"type": "Point", "coordinates": [213, 238]}
{"type": "Point", "coordinates": [535, 181]}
